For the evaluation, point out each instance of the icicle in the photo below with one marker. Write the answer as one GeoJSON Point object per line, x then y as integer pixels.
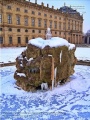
{"type": "Point", "coordinates": [55, 73]}
{"type": "Point", "coordinates": [52, 73]}
{"type": "Point", "coordinates": [60, 56]}
{"type": "Point", "coordinates": [44, 86]}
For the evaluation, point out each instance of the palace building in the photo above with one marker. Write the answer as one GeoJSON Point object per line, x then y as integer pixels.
{"type": "Point", "coordinates": [87, 38]}
{"type": "Point", "coordinates": [22, 20]}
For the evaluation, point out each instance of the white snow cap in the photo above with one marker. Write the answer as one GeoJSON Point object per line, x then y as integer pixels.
{"type": "Point", "coordinates": [53, 42]}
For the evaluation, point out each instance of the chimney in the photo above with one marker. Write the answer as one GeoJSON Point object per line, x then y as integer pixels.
{"type": "Point", "coordinates": [42, 4]}
{"type": "Point", "coordinates": [52, 7]}
{"type": "Point", "coordinates": [29, 0]}
{"type": "Point", "coordinates": [47, 5]}
{"type": "Point", "coordinates": [35, 1]}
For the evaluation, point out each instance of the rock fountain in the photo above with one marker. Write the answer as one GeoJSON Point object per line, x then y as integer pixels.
{"type": "Point", "coordinates": [45, 63]}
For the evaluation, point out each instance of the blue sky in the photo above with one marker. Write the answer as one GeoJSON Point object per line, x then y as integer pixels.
{"type": "Point", "coordinates": [82, 6]}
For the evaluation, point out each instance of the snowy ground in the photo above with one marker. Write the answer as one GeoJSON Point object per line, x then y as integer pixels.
{"type": "Point", "coordinates": [9, 54]}
{"type": "Point", "coordinates": [82, 53]}
{"type": "Point", "coordinates": [67, 102]}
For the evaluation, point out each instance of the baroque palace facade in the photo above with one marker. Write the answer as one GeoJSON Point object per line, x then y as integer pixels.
{"type": "Point", "coordinates": [22, 20]}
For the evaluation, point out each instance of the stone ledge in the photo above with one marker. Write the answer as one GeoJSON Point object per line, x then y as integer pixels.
{"type": "Point", "coordinates": [79, 62]}
{"type": "Point", "coordinates": [7, 64]}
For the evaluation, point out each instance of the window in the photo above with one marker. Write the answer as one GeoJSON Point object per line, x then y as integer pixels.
{"type": "Point", "coordinates": [55, 17]}
{"type": "Point", "coordinates": [10, 40]}
{"type": "Point", "coordinates": [69, 39]}
{"type": "Point", "coordinates": [68, 25]}
{"type": "Point", "coordinates": [45, 23]}
{"type": "Point", "coordinates": [8, 7]}
{"type": "Point", "coordinates": [18, 20]}
{"type": "Point", "coordinates": [0, 29]}
{"type": "Point", "coordinates": [26, 21]}
{"type": "Point", "coordinates": [0, 18]}
{"type": "Point", "coordinates": [39, 31]}
{"type": "Point", "coordinates": [9, 19]}
{"type": "Point", "coordinates": [50, 24]}
{"type": "Point", "coordinates": [64, 26]}
{"type": "Point", "coordinates": [19, 40]}
{"type": "Point", "coordinates": [59, 18]}
{"type": "Point", "coordinates": [72, 27]}
{"type": "Point", "coordinates": [39, 13]}
{"type": "Point", "coordinates": [26, 39]}
{"type": "Point", "coordinates": [55, 32]}
{"type": "Point", "coordinates": [33, 12]}
{"type": "Point", "coordinates": [9, 29]}
{"type": "Point", "coordinates": [50, 16]}
{"type": "Point", "coordinates": [55, 25]}
{"type": "Point", "coordinates": [1, 40]}
{"type": "Point", "coordinates": [26, 30]}
{"type": "Point", "coordinates": [17, 9]}
{"type": "Point", "coordinates": [69, 20]}
{"type": "Point", "coordinates": [26, 11]}
{"type": "Point", "coordinates": [18, 30]}
{"type": "Point", "coordinates": [45, 15]}
{"type": "Point", "coordinates": [33, 31]}
{"type": "Point", "coordinates": [64, 19]}
{"type": "Point", "coordinates": [80, 27]}
{"type": "Point", "coordinates": [69, 33]}
{"type": "Point", "coordinates": [33, 21]}
{"type": "Point", "coordinates": [59, 25]}
{"type": "Point", "coordinates": [75, 25]}
{"type": "Point", "coordinates": [39, 22]}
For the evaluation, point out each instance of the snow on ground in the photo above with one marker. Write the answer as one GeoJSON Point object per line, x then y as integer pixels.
{"type": "Point", "coordinates": [9, 54]}
{"type": "Point", "coordinates": [82, 53]}
{"type": "Point", "coordinates": [67, 102]}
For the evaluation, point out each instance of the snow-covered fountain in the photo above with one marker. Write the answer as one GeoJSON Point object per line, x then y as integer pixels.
{"type": "Point", "coordinates": [45, 63]}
